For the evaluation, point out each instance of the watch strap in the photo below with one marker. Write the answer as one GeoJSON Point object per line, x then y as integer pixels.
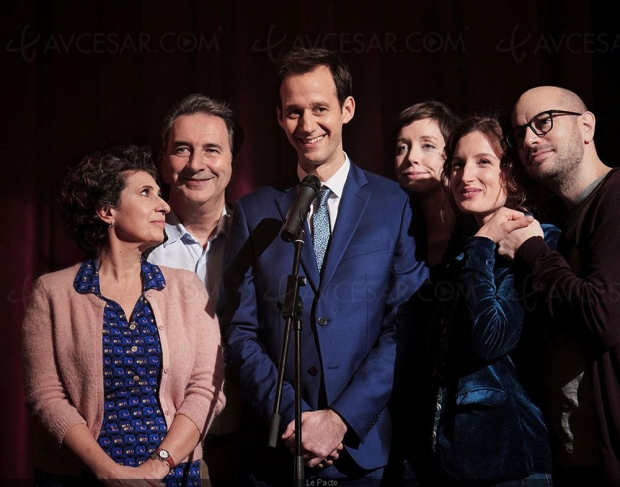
{"type": "Point", "coordinates": [164, 458]}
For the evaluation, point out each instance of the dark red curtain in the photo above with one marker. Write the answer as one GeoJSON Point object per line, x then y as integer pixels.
{"type": "Point", "coordinates": [81, 76]}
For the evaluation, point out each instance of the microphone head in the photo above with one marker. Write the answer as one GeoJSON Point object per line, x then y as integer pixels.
{"type": "Point", "coordinates": [312, 182]}
{"type": "Point", "coordinates": [307, 192]}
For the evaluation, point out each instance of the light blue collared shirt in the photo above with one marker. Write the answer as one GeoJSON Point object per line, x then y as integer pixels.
{"type": "Point", "coordinates": [183, 251]}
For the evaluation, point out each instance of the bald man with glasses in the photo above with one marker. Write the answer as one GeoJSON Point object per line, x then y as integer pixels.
{"type": "Point", "coordinates": [553, 133]}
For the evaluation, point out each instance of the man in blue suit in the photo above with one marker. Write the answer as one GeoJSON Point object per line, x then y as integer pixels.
{"type": "Point", "coordinates": [349, 302]}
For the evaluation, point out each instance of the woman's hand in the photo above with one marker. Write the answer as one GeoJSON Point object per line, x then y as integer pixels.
{"type": "Point", "coordinates": [144, 475]}
{"type": "Point", "coordinates": [79, 440]}
{"type": "Point", "coordinates": [154, 469]}
{"type": "Point", "coordinates": [502, 222]}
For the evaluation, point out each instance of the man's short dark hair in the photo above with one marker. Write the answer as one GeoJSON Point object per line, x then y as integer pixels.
{"type": "Point", "coordinates": [302, 60]}
{"type": "Point", "coordinates": [198, 103]}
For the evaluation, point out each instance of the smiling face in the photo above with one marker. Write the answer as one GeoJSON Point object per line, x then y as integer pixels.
{"type": "Point", "coordinates": [312, 119]}
{"type": "Point", "coordinates": [557, 154]}
{"type": "Point", "coordinates": [141, 215]}
{"type": "Point", "coordinates": [197, 163]}
{"type": "Point", "coordinates": [420, 156]}
{"type": "Point", "coordinates": [476, 179]}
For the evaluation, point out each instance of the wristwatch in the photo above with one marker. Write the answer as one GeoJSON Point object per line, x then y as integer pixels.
{"type": "Point", "coordinates": [163, 456]}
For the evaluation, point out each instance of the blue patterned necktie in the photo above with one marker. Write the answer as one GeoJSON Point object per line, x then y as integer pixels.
{"type": "Point", "coordinates": [320, 226]}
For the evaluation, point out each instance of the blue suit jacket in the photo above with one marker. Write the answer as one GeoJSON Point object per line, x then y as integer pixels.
{"type": "Point", "coordinates": [347, 337]}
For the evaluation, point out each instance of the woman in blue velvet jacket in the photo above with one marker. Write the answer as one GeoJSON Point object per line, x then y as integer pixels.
{"type": "Point", "coordinates": [488, 427]}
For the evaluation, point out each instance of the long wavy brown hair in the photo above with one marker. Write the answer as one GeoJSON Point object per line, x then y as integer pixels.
{"type": "Point", "coordinates": [512, 175]}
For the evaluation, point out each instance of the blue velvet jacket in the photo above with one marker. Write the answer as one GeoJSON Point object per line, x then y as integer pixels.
{"type": "Point", "coordinates": [475, 330]}
{"type": "Point", "coordinates": [489, 425]}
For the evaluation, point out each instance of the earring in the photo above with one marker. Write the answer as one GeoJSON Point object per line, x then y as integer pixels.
{"type": "Point", "coordinates": [111, 224]}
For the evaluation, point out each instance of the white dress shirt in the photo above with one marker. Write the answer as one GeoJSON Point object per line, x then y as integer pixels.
{"type": "Point", "coordinates": [336, 184]}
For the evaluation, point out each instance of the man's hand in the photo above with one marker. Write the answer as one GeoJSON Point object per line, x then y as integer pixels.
{"type": "Point", "coordinates": [509, 245]}
{"type": "Point", "coordinates": [502, 222]}
{"type": "Point", "coordinates": [322, 433]}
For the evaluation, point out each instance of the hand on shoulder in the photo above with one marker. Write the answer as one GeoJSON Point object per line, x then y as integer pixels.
{"type": "Point", "coordinates": [502, 222]}
{"type": "Point", "coordinates": [509, 245]}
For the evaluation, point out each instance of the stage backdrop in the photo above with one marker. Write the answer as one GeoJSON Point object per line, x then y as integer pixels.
{"type": "Point", "coordinates": [82, 76]}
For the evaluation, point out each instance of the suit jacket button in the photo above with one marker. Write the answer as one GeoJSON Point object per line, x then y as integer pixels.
{"type": "Point", "coordinates": [322, 321]}
{"type": "Point", "coordinates": [313, 371]}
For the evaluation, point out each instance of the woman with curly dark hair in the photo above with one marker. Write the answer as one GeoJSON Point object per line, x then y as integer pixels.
{"type": "Point", "coordinates": [488, 426]}
{"type": "Point", "coordinates": [470, 353]}
{"type": "Point", "coordinates": [122, 358]}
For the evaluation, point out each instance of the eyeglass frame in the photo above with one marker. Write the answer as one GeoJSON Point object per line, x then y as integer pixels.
{"type": "Point", "coordinates": [552, 114]}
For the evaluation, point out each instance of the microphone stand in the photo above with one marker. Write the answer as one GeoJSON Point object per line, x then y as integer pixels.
{"type": "Point", "coordinates": [291, 312]}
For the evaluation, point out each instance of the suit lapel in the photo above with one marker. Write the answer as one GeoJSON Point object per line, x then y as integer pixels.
{"type": "Point", "coordinates": [308, 261]}
{"type": "Point", "coordinates": [350, 211]}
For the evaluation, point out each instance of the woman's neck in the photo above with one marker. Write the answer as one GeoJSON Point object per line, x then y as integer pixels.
{"type": "Point", "coordinates": [120, 277]}
{"type": "Point", "coordinates": [120, 265]}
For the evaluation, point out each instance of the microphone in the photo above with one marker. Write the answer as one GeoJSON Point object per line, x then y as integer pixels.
{"type": "Point", "coordinates": [297, 214]}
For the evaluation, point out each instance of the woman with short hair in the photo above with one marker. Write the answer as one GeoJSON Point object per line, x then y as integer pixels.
{"type": "Point", "coordinates": [122, 359]}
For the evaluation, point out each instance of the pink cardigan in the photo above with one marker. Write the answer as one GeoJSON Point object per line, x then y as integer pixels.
{"type": "Point", "coordinates": [63, 363]}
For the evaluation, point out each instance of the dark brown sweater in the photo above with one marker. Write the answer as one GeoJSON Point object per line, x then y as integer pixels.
{"type": "Point", "coordinates": [586, 303]}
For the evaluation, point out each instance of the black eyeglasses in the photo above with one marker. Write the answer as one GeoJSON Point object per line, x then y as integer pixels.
{"type": "Point", "coordinates": [541, 124]}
